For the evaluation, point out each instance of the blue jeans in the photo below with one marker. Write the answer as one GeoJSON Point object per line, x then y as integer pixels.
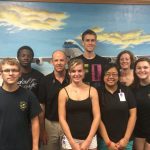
{"type": "Point", "coordinates": [102, 145]}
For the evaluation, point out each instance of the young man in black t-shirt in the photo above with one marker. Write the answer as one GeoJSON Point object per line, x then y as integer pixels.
{"type": "Point", "coordinates": [19, 110]}
{"type": "Point", "coordinates": [30, 78]}
{"type": "Point", "coordinates": [93, 63]}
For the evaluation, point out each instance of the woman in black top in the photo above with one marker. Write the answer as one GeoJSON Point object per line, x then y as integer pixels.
{"type": "Point", "coordinates": [118, 112]}
{"type": "Point", "coordinates": [79, 112]}
{"type": "Point", "coordinates": [142, 94]}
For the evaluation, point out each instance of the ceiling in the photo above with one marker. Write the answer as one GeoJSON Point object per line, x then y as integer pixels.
{"type": "Point", "coordinates": [95, 1]}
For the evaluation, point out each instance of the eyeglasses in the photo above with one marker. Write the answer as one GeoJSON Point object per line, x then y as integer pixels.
{"type": "Point", "coordinates": [10, 70]}
{"type": "Point", "coordinates": [111, 74]}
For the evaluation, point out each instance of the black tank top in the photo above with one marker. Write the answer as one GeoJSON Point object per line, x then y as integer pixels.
{"type": "Point", "coordinates": [79, 116]}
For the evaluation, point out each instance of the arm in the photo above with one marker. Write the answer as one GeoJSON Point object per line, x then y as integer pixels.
{"type": "Point", "coordinates": [130, 126]}
{"type": "Point", "coordinates": [43, 134]}
{"type": "Point", "coordinates": [96, 118]}
{"type": "Point", "coordinates": [35, 132]}
{"type": "Point", "coordinates": [104, 134]}
{"type": "Point", "coordinates": [62, 118]}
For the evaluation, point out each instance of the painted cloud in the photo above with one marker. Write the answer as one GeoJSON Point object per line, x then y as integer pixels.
{"type": "Point", "coordinates": [26, 18]}
{"type": "Point", "coordinates": [123, 40]}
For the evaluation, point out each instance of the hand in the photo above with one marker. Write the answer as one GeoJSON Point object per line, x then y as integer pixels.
{"type": "Point", "coordinates": [75, 146]}
{"type": "Point", "coordinates": [44, 137]}
{"type": "Point", "coordinates": [122, 143]}
{"type": "Point", "coordinates": [113, 146]}
{"type": "Point", "coordinates": [85, 145]}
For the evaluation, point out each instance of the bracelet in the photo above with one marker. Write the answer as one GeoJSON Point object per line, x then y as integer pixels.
{"type": "Point", "coordinates": [108, 144]}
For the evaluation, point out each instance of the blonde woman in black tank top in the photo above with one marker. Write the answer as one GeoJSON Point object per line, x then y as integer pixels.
{"type": "Point", "coordinates": [79, 112]}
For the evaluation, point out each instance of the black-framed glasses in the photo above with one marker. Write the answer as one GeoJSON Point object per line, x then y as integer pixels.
{"type": "Point", "coordinates": [10, 70]}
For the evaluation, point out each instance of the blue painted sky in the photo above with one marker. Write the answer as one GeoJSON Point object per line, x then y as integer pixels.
{"type": "Point", "coordinates": [46, 26]}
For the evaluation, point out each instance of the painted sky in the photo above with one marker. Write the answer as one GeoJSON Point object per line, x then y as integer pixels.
{"type": "Point", "coordinates": [46, 26]}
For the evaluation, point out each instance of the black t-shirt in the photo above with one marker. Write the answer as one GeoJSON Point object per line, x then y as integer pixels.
{"type": "Point", "coordinates": [48, 95]}
{"type": "Point", "coordinates": [142, 95]}
{"type": "Point", "coordinates": [31, 81]}
{"type": "Point", "coordinates": [93, 70]}
{"type": "Point", "coordinates": [115, 113]}
{"type": "Point", "coordinates": [16, 112]}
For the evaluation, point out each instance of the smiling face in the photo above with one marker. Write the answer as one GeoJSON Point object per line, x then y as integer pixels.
{"type": "Point", "coordinates": [76, 73]}
{"type": "Point", "coordinates": [125, 61]}
{"type": "Point", "coordinates": [111, 77]}
{"type": "Point", "coordinates": [59, 61]}
{"type": "Point", "coordinates": [142, 70]}
{"type": "Point", "coordinates": [89, 42]}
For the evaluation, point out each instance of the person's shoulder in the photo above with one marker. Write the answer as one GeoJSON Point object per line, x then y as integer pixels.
{"type": "Point", "coordinates": [63, 91]}
{"type": "Point", "coordinates": [1, 90]}
{"type": "Point", "coordinates": [24, 90]}
{"type": "Point", "coordinates": [104, 59]}
{"type": "Point", "coordinates": [79, 57]}
{"type": "Point", "coordinates": [125, 88]}
{"type": "Point", "coordinates": [48, 77]}
{"type": "Point", "coordinates": [37, 72]}
{"type": "Point", "coordinates": [93, 88]}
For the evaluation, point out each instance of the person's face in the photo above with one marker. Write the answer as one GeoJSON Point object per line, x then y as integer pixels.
{"type": "Point", "coordinates": [59, 61]}
{"type": "Point", "coordinates": [89, 42]}
{"type": "Point", "coordinates": [125, 61]}
{"type": "Point", "coordinates": [25, 57]}
{"type": "Point", "coordinates": [142, 70]}
{"type": "Point", "coordinates": [10, 74]}
{"type": "Point", "coordinates": [77, 73]}
{"type": "Point", "coordinates": [111, 77]}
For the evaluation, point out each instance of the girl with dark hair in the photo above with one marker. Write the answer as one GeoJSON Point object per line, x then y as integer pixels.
{"type": "Point", "coordinates": [141, 87]}
{"type": "Point", "coordinates": [118, 112]}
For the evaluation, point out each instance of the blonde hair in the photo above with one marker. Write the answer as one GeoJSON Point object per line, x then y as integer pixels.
{"type": "Point", "coordinates": [75, 62]}
{"type": "Point", "coordinates": [9, 61]}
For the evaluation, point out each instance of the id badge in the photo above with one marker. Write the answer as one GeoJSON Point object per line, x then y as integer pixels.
{"type": "Point", "coordinates": [122, 96]}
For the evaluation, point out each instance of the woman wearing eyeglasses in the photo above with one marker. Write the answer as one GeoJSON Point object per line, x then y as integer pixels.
{"type": "Point", "coordinates": [118, 112]}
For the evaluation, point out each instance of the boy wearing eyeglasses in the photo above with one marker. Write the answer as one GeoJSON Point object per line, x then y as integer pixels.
{"type": "Point", "coordinates": [19, 110]}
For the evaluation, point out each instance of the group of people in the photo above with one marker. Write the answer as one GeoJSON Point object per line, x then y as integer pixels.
{"type": "Point", "coordinates": [92, 104]}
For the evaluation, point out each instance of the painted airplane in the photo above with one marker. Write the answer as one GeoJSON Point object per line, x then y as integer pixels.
{"type": "Point", "coordinates": [72, 48]}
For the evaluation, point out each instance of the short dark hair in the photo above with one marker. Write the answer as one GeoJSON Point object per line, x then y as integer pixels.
{"type": "Point", "coordinates": [109, 66]}
{"type": "Point", "coordinates": [106, 68]}
{"type": "Point", "coordinates": [131, 57]}
{"type": "Point", "coordinates": [27, 48]}
{"type": "Point", "coordinates": [88, 31]}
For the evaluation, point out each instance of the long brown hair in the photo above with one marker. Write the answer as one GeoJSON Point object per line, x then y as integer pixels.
{"type": "Point", "coordinates": [136, 82]}
{"type": "Point", "coordinates": [131, 57]}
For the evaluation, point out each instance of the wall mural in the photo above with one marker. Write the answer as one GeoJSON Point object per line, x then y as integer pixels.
{"type": "Point", "coordinates": [46, 27]}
